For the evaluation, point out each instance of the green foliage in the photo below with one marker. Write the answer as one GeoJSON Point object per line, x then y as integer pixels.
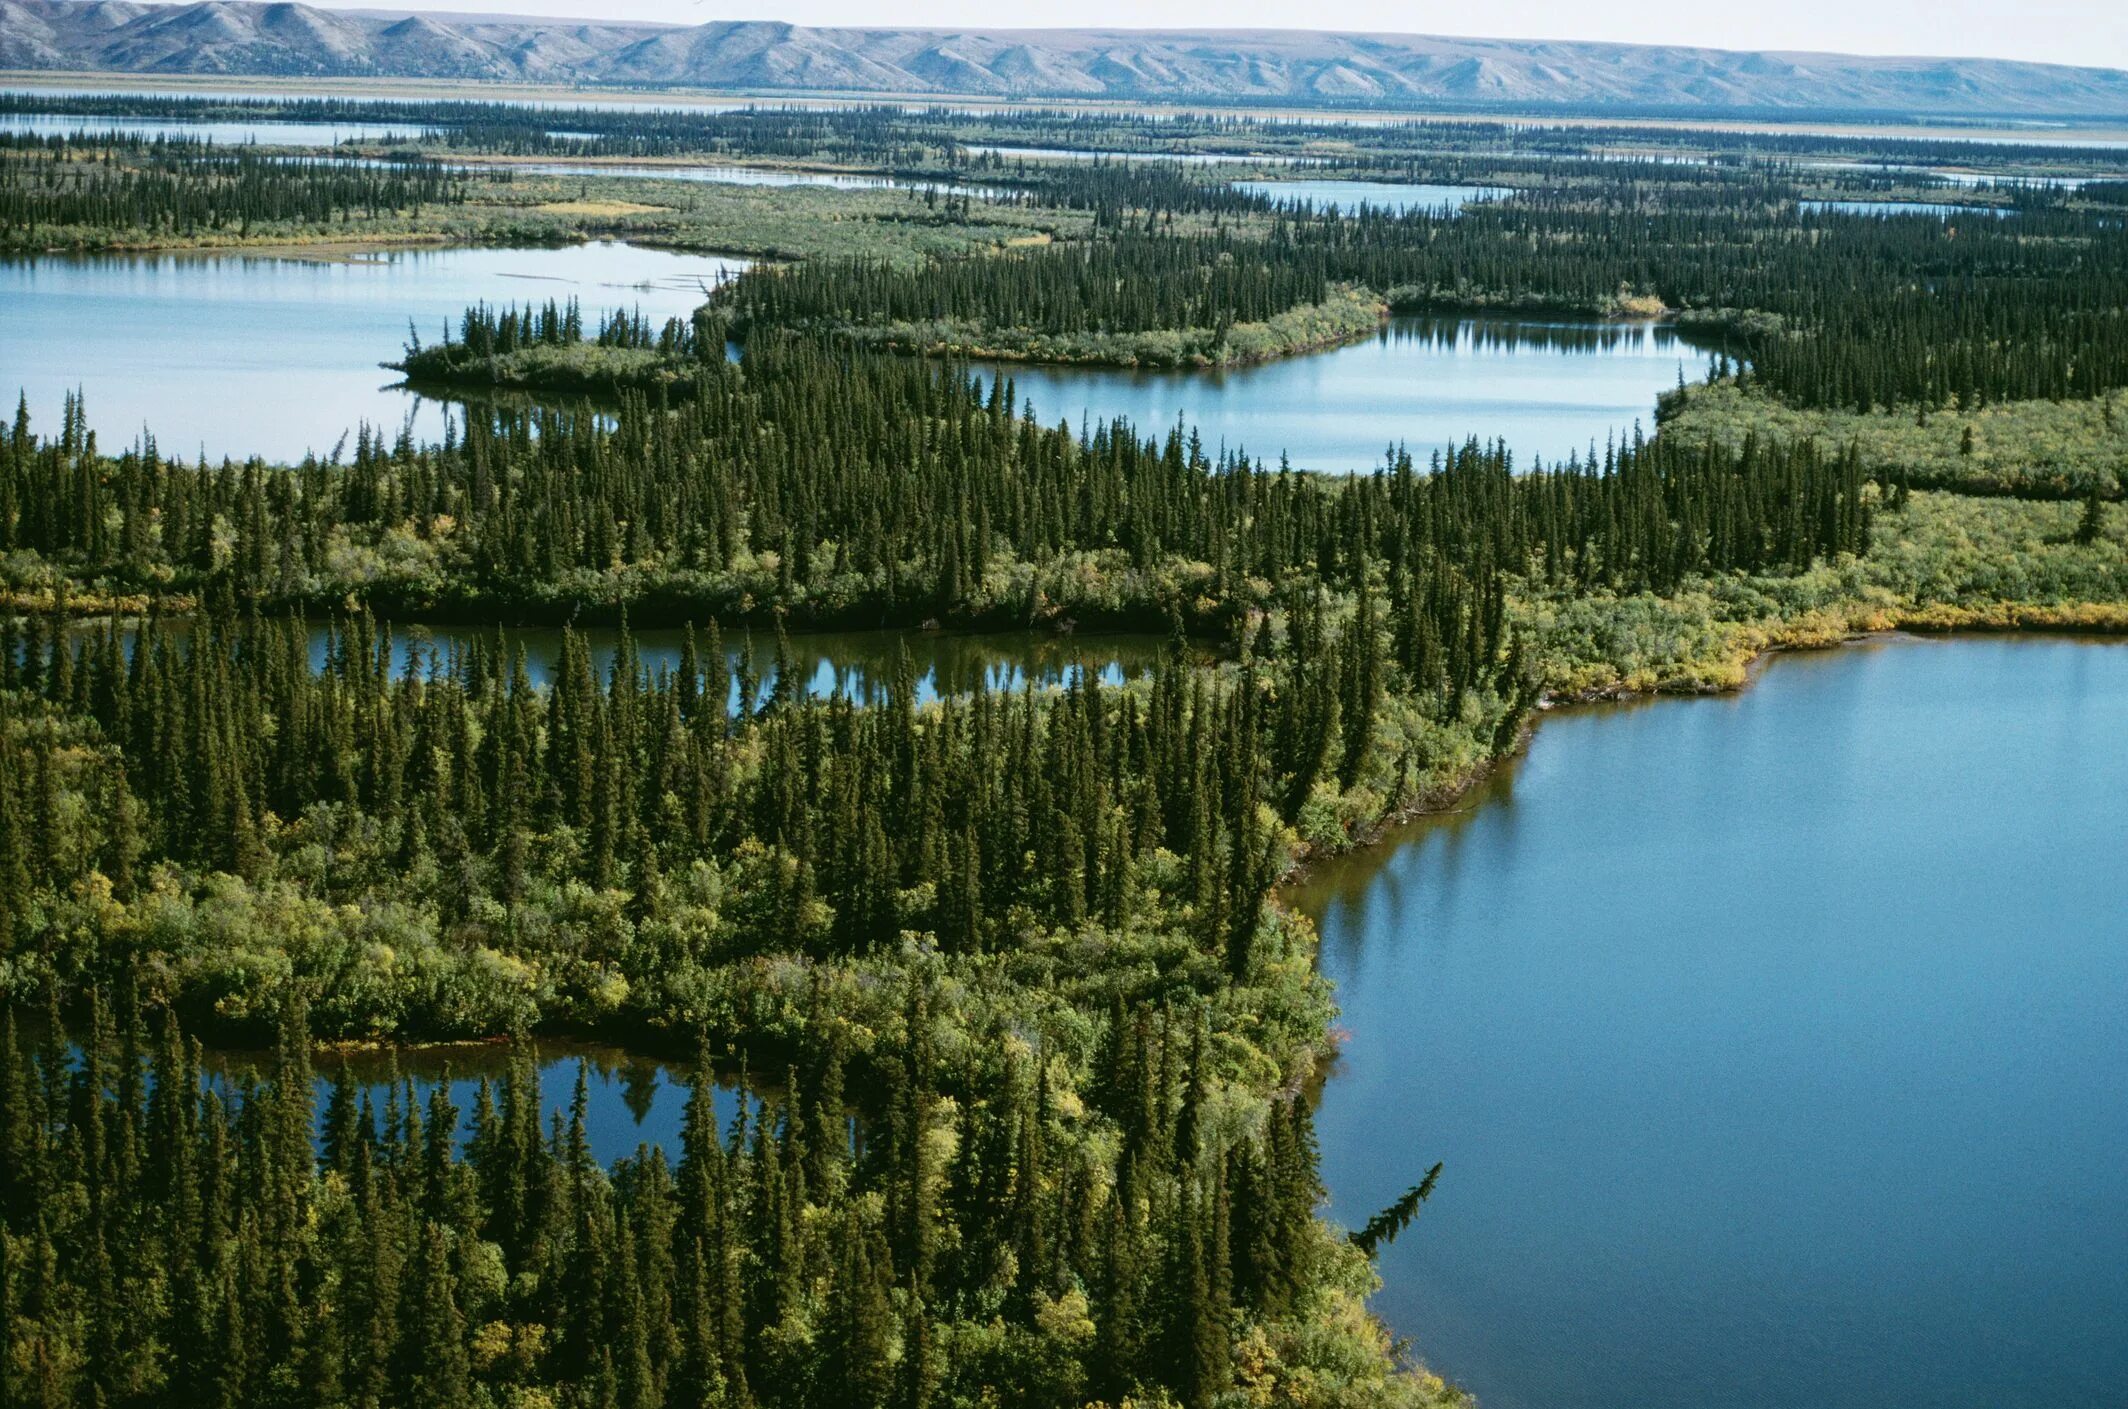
{"type": "Point", "coordinates": [1342, 317]}
{"type": "Point", "coordinates": [2037, 449]}
{"type": "Point", "coordinates": [160, 1232]}
{"type": "Point", "coordinates": [180, 191]}
{"type": "Point", "coordinates": [1030, 943]}
{"type": "Point", "coordinates": [1382, 1229]}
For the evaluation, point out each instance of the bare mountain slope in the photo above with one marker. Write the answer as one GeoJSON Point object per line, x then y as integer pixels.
{"type": "Point", "coordinates": [236, 37]}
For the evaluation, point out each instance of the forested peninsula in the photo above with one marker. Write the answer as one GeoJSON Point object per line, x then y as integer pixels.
{"type": "Point", "coordinates": [1022, 1036]}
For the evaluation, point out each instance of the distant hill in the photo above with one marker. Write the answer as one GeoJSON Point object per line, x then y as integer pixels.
{"type": "Point", "coordinates": [228, 37]}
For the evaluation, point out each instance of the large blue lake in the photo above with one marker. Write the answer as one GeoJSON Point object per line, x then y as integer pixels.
{"type": "Point", "coordinates": [277, 354]}
{"type": "Point", "coordinates": [1773, 1044]}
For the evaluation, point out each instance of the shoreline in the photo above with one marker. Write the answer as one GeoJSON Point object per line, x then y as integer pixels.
{"type": "Point", "coordinates": [1458, 794]}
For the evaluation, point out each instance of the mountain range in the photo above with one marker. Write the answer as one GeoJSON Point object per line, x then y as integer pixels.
{"type": "Point", "coordinates": [233, 37]}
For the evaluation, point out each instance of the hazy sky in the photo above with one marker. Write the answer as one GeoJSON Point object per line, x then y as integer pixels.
{"type": "Point", "coordinates": [2061, 31]}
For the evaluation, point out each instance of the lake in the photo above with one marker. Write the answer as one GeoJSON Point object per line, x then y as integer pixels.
{"type": "Point", "coordinates": [1773, 1044]}
{"type": "Point", "coordinates": [277, 354]}
{"type": "Point", "coordinates": [1397, 196]}
{"type": "Point", "coordinates": [631, 1099]}
{"type": "Point", "coordinates": [1550, 388]}
{"type": "Point", "coordinates": [266, 132]}
{"type": "Point", "coordinates": [179, 342]}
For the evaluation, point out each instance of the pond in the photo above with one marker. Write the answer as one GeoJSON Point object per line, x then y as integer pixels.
{"type": "Point", "coordinates": [1772, 1044]}
{"type": "Point", "coordinates": [1396, 196]}
{"type": "Point", "coordinates": [630, 1100]}
{"type": "Point", "coordinates": [1939, 209]}
{"type": "Point", "coordinates": [1550, 388]}
{"type": "Point", "coordinates": [277, 354]}
{"type": "Point", "coordinates": [862, 665]}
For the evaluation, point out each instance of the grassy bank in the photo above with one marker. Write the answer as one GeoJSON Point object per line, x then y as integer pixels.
{"type": "Point", "coordinates": [1944, 562]}
{"type": "Point", "coordinates": [2041, 449]}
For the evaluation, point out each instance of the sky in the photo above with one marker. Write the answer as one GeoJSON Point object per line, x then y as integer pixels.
{"type": "Point", "coordinates": [2056, 31]}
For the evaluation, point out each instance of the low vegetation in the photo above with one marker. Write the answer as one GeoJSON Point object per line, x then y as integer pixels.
{"type": "Point", "coordinates": [2064, 449]}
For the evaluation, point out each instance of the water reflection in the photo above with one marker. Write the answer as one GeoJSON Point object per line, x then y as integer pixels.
{"type": "Point", "coordinates": [859, 665]}
{"type": "Point", "coordinates": [1008, 153]}
{"type": "Point", "coordinates": [631, 1100]}
{"type": "Point", "coordinates": [1550, 388]}
{"type": "Point", "coordinates": [265, 132]}
{"type": "Point", "coordinates": [1769, 1040]}
{"type": "Point", "coordinates": [1949, 176]}
{"type": "Point", "coordinates": [276, 353]}
{"type": "Point", "coordinates": [1942, 210]}
{"type": "Point", "coordinates": [864, 666]}
{"type": "Point", "coordinates": [1395, 196]}
{"type": "Point", "coordinates": [723, 175]}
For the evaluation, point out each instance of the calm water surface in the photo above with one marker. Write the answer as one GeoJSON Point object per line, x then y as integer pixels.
{"type": "Point", "coordinates": [630, 1100]}
{"type": "Point", "coordinates": [1773, 1044]}
{"type": "Point", "coordinates": [1951, 176]}
{"type": "Point", "coordinates": [266, 132]}
{"type": "Point", "coordinates": [1940, 209]}
{"type": "Point", "coordinates": [1551, 389]}
{"type": "Point", "coordinates": [722, 175]}
{"type": "Point", "coordinates": [1090, 154]}
{"type": "Point", "coordinates": [862, 665]}
{"type": "Point", "coordinates": [255, 354]}
{"type": "Point", "coordinates": [1397, 196]}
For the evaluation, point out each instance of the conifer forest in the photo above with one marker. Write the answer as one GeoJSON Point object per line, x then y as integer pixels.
{"type": "Point", "coordinates": [1001, 1040]}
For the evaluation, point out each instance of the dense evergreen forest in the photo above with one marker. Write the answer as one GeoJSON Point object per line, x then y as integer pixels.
{"type": "Point", "coordinates": [183, 188]}
{"type": "Point", "coordinates": [1078, 900]}
{"type": "Point", "coordinates": [831, 485]}
{"type": "Point", "coordinates": [1831, 310]}
{"type": "Point", "coordinates": [1021, 1033]}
